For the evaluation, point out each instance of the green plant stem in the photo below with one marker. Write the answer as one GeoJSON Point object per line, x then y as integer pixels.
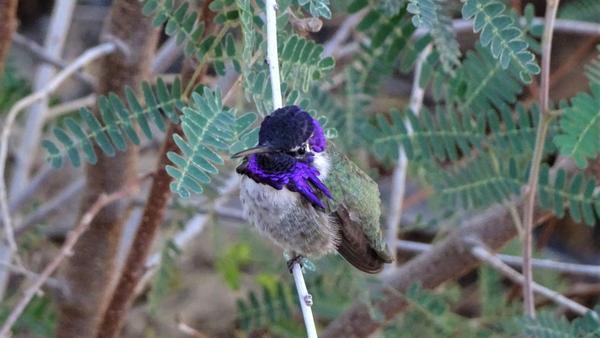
{"type": "Point", "coordinates": [190, 85]}
{"type": "Point", "coordinates": [528, 300]}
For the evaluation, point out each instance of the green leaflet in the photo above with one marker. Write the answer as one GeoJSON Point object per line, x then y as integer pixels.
{"type": "Point", "coordinates": [116, 126]}
{"type": "Point", "coordinates": [579, 137]}
{"type": "Point", "coordinates": [547, 325]}
{"type": "Point", "coordinates": [432, 15]}
{"type": "Point", "coordinates": [449, 133]}
{"type": "Point", "coordinates": [592, 70]}
{"type": "Point", "coordinates": [503, 36]}
{"type": "Point", "coordinates": [208, 129]}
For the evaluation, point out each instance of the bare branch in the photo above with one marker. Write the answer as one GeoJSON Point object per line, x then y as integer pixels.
{"type": "Point", "coordinates": [486, 256]}
{"type": "Point", "coordinates": [8, 24]}
{"type": "Point", "coordinates": [191, 230]}
{"type": "Point", "coordinates": [448, 259]}
{"type": "Point", "coordinates": [56, 36]}
{"type": "Point", "coordinates": [536, 159]}
{"type": "Point", "coordinates": [65, 251]}
{"type": "Point", "coordinates": [517, 261]}
{"type": "Point", "coordinates": [70, 106]}
{"type": "Point", "coordinates": [38, 51]}
{"type": "Point", "coordinates": [273, 60]}
{"type": "Point", "coordinates": [399, 175]}
{"type": "Point", "coordinates": [85, 58]}
{"type": "Point", "coordinates": [166, 55]}
{"type": "Point", "coordinates": [50, 206]}
{"type": "Point", "coordinates": [341, 35]}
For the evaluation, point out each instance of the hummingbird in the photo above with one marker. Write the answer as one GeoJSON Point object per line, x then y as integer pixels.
{"type": "Point", "coordinates": [310, 199]}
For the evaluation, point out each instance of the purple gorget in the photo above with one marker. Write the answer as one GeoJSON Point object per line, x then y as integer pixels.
{"type": "Point", "coordinates": [300, 176]}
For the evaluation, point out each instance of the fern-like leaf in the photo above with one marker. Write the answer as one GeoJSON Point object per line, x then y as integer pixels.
{"type": "Point", "coordinates": [484, 182]}
{"type": "Point", "coordinates": [302, 62]}
{"type": "Point", "coordinates": [450, 134]}
{"type": "Point", "coordinates": [592, 70]}
{"type": "Point", "coordinates": [117, 123]}
{"type": "Point", "coordinates": [579, 137]}
{"type": "Point", "coordinates": [182, 23]}
{"type": "Point", "coordinates": [479, 184]}
{"type": "Point", "coordinates": [582, 10]}
{"type": "Point", "coordinates": [166, 276]}
{"type": "Point", "coordinates": [504, 37]}
{"type": "Point", "coordinates": [577, 196]}
{"type": "Point", "coordinates": [486, 84]}
{"type": "Point", "coordinates": [547, 325]}
{"type": "Point", "coordinates": [432, 15]}
{"type": "Point", "coordinates": [267, 306]}
{"type": "Point", "coordinates": [317, 8]}
{"type": "Point", "coordinates": [208, 128]}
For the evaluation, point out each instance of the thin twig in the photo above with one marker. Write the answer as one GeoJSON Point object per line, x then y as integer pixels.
{"type": "Point", "coordinates": [273, 61]}
{"type": "Point", "coordinates": [332, 47]}
{"type": "Point", "coordinates": [85, 58]}
{"type": "Point", "coordinates": [70, 106]}
{"type": "Point", "coordinates": [51, 283]}
{"type": "Point", "coordinates": [399, 176]}
{"type": "Point", "coordinates": [191, 229]}
{"type": "Point", "coordinates": [528, 301]}
{"type": "Point", "coordinates": [272, 55]}
{"type": "Point", "coordinates": [50, 206]}
{"type": "Point", "coordinates": [65, 252]}
{"type": "Point", "coordinates": [188, 330]}
{"type": "Point", "coordinates": [517, 261]}
{"type": "Point", "coordinates": [17, 201]}
{"type": "Point", "coordinates": [39, 52]}
{"type": "Point", "coordinates": [58, 28]}
{"type": "Point", "coordinates": [166, 55]}
{"type": "Point", "coordinates": [486, 256]}
{"type": "Point", "coordinates": [561, 25]}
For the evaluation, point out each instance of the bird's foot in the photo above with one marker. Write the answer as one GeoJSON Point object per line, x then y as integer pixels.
{"type": "Point", "coordinates": [296, 259]}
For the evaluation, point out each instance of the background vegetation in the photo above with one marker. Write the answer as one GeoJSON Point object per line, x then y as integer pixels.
{"type": "Point", "coordinates": [479, 119]}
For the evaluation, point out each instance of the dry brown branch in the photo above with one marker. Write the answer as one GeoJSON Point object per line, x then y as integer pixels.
{"type": "Point", "coordinates": [152, 217]}
{"type": "Point", "coordinates": [67, 250]}
{"type": "Point", "coordinates": [448, 259]}
{"type": "Point", "coordinates": [8, 24]}
{"type": "Point", "coordinates": [486, 256]}
{"type": "Point", "coordinates": [90, 273]}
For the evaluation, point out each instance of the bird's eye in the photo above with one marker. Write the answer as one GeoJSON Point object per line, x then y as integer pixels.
{"type": "Point", "coordinates": [301, 151]}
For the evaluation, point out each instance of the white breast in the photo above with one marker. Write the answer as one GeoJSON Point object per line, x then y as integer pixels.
{"type": "Point", "coordinates": [257, 198]}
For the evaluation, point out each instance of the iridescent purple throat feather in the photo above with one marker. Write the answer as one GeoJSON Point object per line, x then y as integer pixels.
{"type": "Point", "coordinates": [302, 177]}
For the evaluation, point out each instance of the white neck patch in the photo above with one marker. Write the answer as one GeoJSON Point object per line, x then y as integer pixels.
{"type": "Point", "coordinates": [321, 162]}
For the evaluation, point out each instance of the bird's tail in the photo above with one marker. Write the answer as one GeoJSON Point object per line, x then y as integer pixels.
{"type": "Point", "coordinates": [360, 254]}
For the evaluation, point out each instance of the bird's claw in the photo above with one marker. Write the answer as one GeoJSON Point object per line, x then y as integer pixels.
{"type": "Point", "coordinates": [296, 259]}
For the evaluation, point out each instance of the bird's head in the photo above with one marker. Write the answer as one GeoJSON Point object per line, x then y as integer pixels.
{"type": "Point", "coordinates": [288, 141]}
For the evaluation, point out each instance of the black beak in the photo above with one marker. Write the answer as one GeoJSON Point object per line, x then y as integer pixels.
{"type": "Point", "coordinates": [259, 149]}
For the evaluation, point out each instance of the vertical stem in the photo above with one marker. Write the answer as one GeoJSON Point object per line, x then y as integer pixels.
{"type": "Point", "coordinates": [272, 55]}
{"type": "Point", "coordinates": [305, 301]}
{"type": "Point", "coordinates": [399, 175]}
{"type": "Point", "coordinates": [273, 60]}
{"type": "Point", "coordinates": [528, 300]}
{"type": "Point", "coordinates": [91, 272]}
{"type": "Point", "coordinates": [8, 25]}
{"type": "Point", "coordinates": [36, 115]}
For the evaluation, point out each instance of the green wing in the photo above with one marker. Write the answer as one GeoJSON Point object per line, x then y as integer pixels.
{"type": "Point", "coordinates": [358, 207]}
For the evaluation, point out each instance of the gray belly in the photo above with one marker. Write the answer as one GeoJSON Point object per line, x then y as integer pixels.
{"type": "Point", "coordinates": [288, 220]}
